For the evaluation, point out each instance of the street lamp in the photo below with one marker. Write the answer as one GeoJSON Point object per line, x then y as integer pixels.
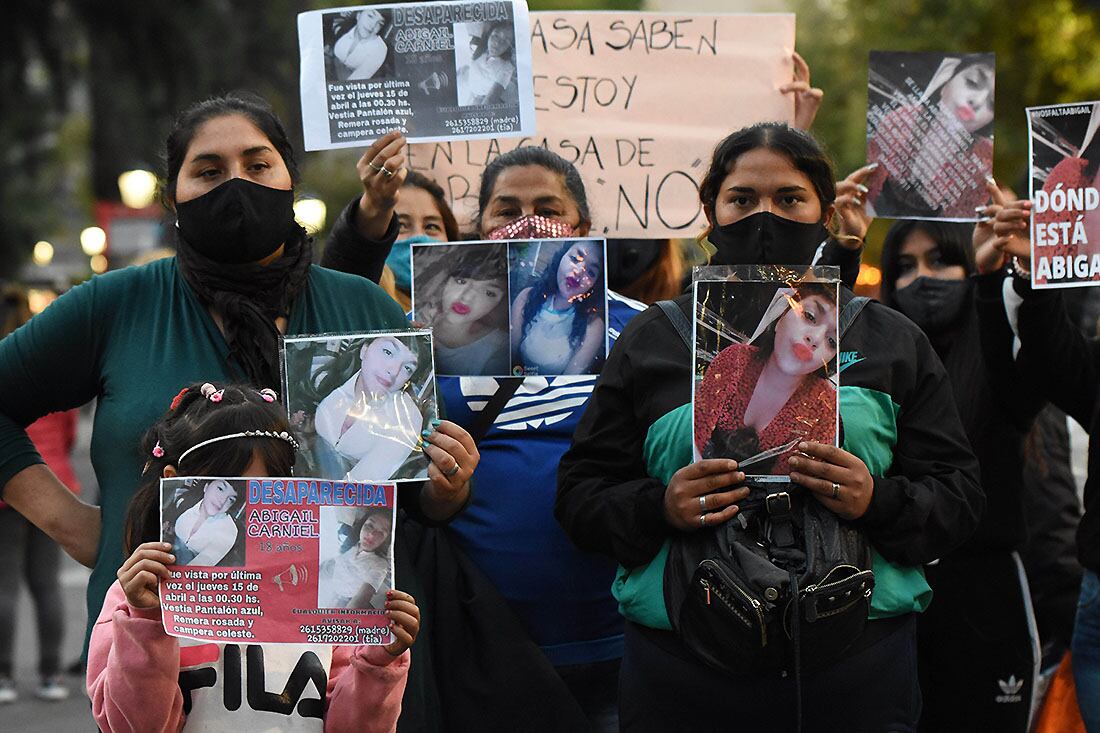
{"type": "Point", "coordinates": [310, 213]}
{"type": "Point", "coordinates": [137, 188]}
{"type": "Point", "coordinates": [43, 253]}
{"type": "Point", "coordinates": [93, 241]}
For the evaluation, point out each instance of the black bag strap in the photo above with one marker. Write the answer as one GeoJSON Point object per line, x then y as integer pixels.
{"type": "Point", "coordinates": [506, 388]}
{"type": "Point", "coordinates": [679, 321]}
{"type": "Point", "coordinates": [851, 311]}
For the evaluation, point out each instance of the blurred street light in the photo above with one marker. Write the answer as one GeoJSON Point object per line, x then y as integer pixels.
{"type": "Point", "coordinates": [99, 264]}
{"type": "Point", "coordinates": [43, 253]}
{"type": "Point", "coordinates": [869, 275]}
{"type": "Point", "coordinates": [93, 241]}
{"type": "Point", "coordinates": [310, 213]}
{"type": "Point", "coordinates": [137, 188]}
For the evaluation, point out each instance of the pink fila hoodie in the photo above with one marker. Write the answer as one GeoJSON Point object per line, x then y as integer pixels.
{"type": "Point", "coordinates": [144, 681]}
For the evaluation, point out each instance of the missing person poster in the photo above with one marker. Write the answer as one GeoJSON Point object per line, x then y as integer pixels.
{"type": "Point", "coordinates": [636, 101]}
{"type": "Point", "coordinates": [277, 560]}
{"type": "Point", "coordinates": [359, 403]}
{"type": "Point", "coordinates": [1065, 222]}
{"type": "Point", "coordinates": [513, 308]}
{"type": "Point", "coordinates": [435, 71]}
{"type": "Point", "coordinates": [765, 367]}
{"type": "Point", "coordinates": [930, 129]}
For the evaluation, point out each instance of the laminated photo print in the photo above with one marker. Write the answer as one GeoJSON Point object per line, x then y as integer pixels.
{"type": "Point", "coordinates": [461, 292]}
{"type": "Point", "coordinates": [765, 375]}
{"type": "Point", "coordinates": [309, 561]}
{"type": "Point", "coordinates": [930, 129]}
{"type": "Point", "coordinates": [359, 403]}
{"type": "Point", "coordinates": [436, 71]}
{"type": "Point", "coordinates": [558, 291]}
{"type": "Point", "coordinates": [1065, 188]}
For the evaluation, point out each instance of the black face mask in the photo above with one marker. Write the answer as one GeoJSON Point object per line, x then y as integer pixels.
{"type": "Point", "coordinates": [766, 239]}
{"type": "Point", "coordinates": [932, 303]}
{"type": "Point", "coordinates": [237, 222]}
{"type": "Point", "coordinates": [629, 259]}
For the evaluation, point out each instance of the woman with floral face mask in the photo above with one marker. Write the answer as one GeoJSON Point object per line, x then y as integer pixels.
{"type": "Point", "coordinates": [241, 277]}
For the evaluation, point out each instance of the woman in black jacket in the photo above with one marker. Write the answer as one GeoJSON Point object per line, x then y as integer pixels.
{"type": "Point", "coordinates": [907, 478]}
{"type": "Point", "coordinates": [976, 643]}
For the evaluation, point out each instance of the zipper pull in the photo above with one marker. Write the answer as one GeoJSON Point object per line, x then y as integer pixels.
{"type": "Point", "coordinates": [706, 587]}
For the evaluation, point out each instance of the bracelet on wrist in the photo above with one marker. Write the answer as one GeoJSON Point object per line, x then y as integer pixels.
{"type": "Point", "coordinates": [1017, 269]}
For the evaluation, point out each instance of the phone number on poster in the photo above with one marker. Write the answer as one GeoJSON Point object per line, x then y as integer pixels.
{"type": "Point", "coordinates": [476, 125]}
{"type": "Point", "coordinates": [337, 635]}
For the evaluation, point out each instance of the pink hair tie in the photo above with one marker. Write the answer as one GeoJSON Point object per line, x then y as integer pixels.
{"type": "Point", "coordinates": [268, 394]}
{"type": "Point", "coordinates": [158, 452]}
{"type": "Point", "coordinates": [211, 392]}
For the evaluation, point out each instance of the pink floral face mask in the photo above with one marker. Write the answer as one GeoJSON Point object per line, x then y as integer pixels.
{"type": "Point", "coordinates": [533, 227]}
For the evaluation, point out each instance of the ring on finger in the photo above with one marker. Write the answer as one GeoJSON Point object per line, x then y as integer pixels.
{"type": "Point", "coordinates": [452, 471]}
{"type": "Point", "coordinates": [836, 490]}
{"type": "Point", "coordinates": [703, 503]}
{"type": "Point", "coordinates": [703, 519]}
{"type": "Point", "coordinates": [387, 171]}
{"type": "Point", "coordinates": [373, 167]}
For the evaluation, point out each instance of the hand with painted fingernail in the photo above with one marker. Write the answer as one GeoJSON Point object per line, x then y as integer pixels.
{"type": "Point", "coordinates": [404, 621]}
{"type": "Point", "coordinates": [850, 208]}
{"type": "Point", "coordinates": [453, 456]}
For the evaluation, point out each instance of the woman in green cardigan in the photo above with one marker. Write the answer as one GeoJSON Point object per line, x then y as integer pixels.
{"type": "Point", "coordinates": [242, 275]}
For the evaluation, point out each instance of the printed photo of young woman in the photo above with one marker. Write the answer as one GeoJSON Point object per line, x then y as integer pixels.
{"type": "Point", "coordinates": [765, 367]}
{"type": "Point", "coordinates": [360, 402]}
{"type": "Point", "coordinates": [559, 307]}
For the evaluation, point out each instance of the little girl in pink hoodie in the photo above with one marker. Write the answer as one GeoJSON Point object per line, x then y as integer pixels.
{"type": "Point", "coordinates": [142, 680]}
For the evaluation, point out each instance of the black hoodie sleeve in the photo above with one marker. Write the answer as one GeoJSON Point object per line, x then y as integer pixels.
{"type": "Point", "coordinates": [607, 502]}
{"type": "Point", "coordinates": [930, 500]}
{"type": "Point", "coordinates": [1014, 399]}
{"type": "Point", "coordinates": [348, 251]}
{"type": "Point", "coordinates": [1055, 359]}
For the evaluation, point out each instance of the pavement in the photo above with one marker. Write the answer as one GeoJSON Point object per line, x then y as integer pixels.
{"type": "Point", "coordinates": [29, 714]}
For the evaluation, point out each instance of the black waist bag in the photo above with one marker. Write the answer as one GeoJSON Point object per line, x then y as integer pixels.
{"type": "Point", "coordinates": [786, 579]}
{"type": "Point", "coordinates": [785, 583]}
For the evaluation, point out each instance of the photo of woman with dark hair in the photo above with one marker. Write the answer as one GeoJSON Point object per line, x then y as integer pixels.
{"type": "Point", "coordinates": [362, 565]}
{"type": "Point", "coordinates": [205, 529]}
{"type": "Point", "coordinates": [490, 75]}
{"type": "Point", "coordinates": [360, 51]}
{"type": "Point", "coordinates": [757, 400]}
{"type": "Point", "coordinates": [930, 133]}
{"type": "Point", "coordinates": [369, 398]}
{"type": "Point", "coordinates": [462, 293]}
{"type": "Point", "coordinates": [558, 320]}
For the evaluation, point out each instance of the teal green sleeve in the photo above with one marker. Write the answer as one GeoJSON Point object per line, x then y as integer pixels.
{"type": "Point", "coordinates": [49, 364]}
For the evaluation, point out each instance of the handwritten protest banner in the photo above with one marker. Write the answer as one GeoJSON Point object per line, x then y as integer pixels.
{"type": "Point", "coordinates": [277, 560]}
{"type": "Point", "coordinates": [637, 102]}
{"type": "Point", "coordinates": [1065, 222]}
